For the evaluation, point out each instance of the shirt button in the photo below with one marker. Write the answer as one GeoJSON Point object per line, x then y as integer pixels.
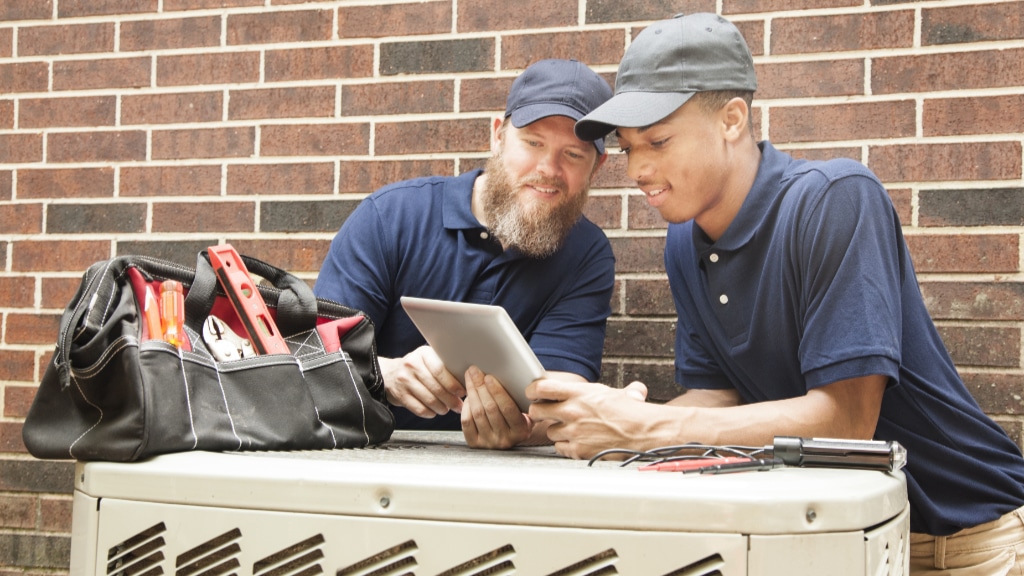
{"type": "Point", "coordinates": [484, 235]}
{"type": "Point", "coordinates": [723, 299]}
{"type": "Point", "coordinates": [713, 258]}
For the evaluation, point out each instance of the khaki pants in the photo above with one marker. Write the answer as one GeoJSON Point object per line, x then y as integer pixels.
{"type": "Point", "coordinates": [991, 549]}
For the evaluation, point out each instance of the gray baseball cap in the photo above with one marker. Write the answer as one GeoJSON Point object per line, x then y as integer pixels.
{"type": "Point", "coordinates": [667, 63]}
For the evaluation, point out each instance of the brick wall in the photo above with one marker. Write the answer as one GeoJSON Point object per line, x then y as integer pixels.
{"type": "Point", "coordinates": [164, 126]}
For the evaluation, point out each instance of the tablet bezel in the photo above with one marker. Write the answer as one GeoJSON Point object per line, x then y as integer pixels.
{"type": "Point", "coordinates": [466, 334]}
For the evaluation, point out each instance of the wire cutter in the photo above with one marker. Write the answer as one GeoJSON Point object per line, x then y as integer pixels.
{"type": "Point", "coordinates": [223, 343]}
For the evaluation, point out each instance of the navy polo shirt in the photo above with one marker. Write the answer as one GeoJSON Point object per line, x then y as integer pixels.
{"type": "Point", "coordinates": [420, 238]}
{"type": "Point", "coordinates": [812, 283]}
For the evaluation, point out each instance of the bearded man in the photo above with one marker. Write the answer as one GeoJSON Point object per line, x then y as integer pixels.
{"type": "Point", "coordinates": [511, 235]}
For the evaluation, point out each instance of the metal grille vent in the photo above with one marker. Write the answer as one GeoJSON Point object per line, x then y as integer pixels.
{"type": "Point", "coordinates": [493, 563]}
{"type": "Point", "coordinates": [709, 566]}
{"type": "Point", "coordinates": [597, 565]}
{"type": "Point", "coordinates": [215, 557]}
{"type": "Point", "coordinates": [138, 555]}
{"type": "Point", "coordinates": [394, 561]}
{"type": "Point", "coordinates": [300, 559]}
{"type": "Point", "coordinates": [890, 564]}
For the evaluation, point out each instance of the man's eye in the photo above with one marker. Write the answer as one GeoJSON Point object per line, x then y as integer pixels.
{"type": "Point", "coordinates": [660, 143]}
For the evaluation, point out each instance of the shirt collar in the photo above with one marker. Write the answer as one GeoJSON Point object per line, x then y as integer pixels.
{"type": "Point", "coordinates": [755, 206]}
{"type": "Point", "coordinates": [458, 202]}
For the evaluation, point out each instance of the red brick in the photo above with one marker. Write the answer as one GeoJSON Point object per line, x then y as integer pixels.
{"type": "Point", "coordinates": [314, 139]}
{"type": "Point", "coordinates": [843, 121]}
{"type": "Point", "coordinates": [321, 62]}
{"type": "Point", "coordinates": [938, 162]}
{"type": "Point", "coordinates": [16, 511]}
{"type": "Point", "coordinates": [74, 8]}
{"type": "Point", "coordinates": [470, 135]}
{"type": "Point", "coordinates": [58, 292]}
{"type": "Point", "coordinates": [367, 176]}
{"type": "Point", "coordinates": [66, 39]}
{"type": "Point", "coordinates": [230, 142]}
{"type": "Point", "coordinates": [170, 33]}
{"type": "Point", "coordinates": [612, 173]}
{"type": "Point", "coordinates": [202, 69]}
{"type": "Point", "coordinates": [422, 97]}
{"type": "Point", "coordinates": [853, 153]}
{"type": "Point", "coordinates": [437, 56]}
{"type": "Point", "coordinates": [170, 181]}
{"type": "Point", "coordinates": [297, 102]}
{"type": "Point", "coordinates": [996, 393]}
{"type": "Point", "coordinates": [753, 6]}
{"type": "Point", "coordinates": [277, 26]}
{"type": "Point", "coordinates": [483, 94]}
{"type": "Point", "coordinates": [57, 255]}
{"type": "Point", "coordinates": [174, 5]}
{"type": "Point", "coordinates": [490, 15]}
{"type": "Point", "coordinates": [6, 114]}
{"type": "Point", "coordinates": [17, 366]}
{"type": "Point", "coordinates": [605, 211]}
{"type": "Point", "coordinates": [21, 219]}
{"type": "Point", "coordinates": [10, 442]}
{"type": "Point", "coordinates": [948, 71]}
{"type": "Point", "coordinates": [204, 217]}
{"type": "Point", "coordinates": [983, 346]}
{"type": "Point", "coordinates": [753, 33]}
{"type": "Point", "coordinates": [975, 115]}
{"type": "Point", "coordinates": [66, 183]}
{"type": "Point", "coordinates": [109, 146]}
{"type": "Point", "coordinates": [281, 179]}
{"type": "Point", "coordinates": [31, 328]}
{"type": "Point", "coordinates": [407, 19]}
{"type": "Point", "coordinates": [16, 148]}
{"type": "Point", "coordinates": [102, 73]}
{"type": "Point", "coordinates": [972, 24]}
{"type": "Point", "coordinates": [994, 301]}
{"type": "Point", "coordinates": [649, 298]}
{"type": "Point", "coordinates": [965, 252]}
{"type": "Point", "coordinates": [639, 338]}
{"type": "Point", "coordinates": [642, 254]}
{"type": "Point", "coordinates": [902, 201]}
{"type": "Point", "coordinates": [11, 10]}
{"type": "Point", "coordinates": [172, 108]}
{"type": "Point", "coordinates": [295, 256]}
{"type": "Point", "coordinates": [18, 291]}
{"type": "Point", "coordinates": [24, 77]}
{"type": "Point", "coordinates": [592, 47]}
{"type": "Point", "coordinates": [843, 33]}
{"type": "Point", "coordinates": [642, 216]}
{"type": "Point", "coordinates": [6, 184]}
{"type": "Point", "coordinates": [55, 514]}
{"type": "Point", "coordinates": [843, 77]}
{"type": "Point", "coordinates": [67, 112]}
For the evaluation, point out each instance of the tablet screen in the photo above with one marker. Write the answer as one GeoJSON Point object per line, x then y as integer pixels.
{"type": "Point", "coordinates": [465, 335]}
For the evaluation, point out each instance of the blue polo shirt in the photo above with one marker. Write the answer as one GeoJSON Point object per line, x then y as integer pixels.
{"type": "Point", "coordinates": [420, 238]}
{"type": "Point", "coordinates": [812, 283]}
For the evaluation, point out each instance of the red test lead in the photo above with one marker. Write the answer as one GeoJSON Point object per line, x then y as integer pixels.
{"type": "Point", "coordinates": [688, 464]}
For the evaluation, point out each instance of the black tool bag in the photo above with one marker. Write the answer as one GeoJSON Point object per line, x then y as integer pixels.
{"type": "Point", "coordinates": [111, 392]}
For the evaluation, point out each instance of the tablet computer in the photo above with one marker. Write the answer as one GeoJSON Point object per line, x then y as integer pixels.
{"type": "Point", "coordinates": [465, 335]}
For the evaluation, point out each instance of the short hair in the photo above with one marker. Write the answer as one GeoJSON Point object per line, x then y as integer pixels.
{"type": "Point", "coordinates": [713, 100]}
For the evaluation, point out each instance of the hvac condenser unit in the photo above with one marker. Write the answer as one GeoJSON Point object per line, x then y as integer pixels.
{"type": "Point", "coordinates": [426, 505]}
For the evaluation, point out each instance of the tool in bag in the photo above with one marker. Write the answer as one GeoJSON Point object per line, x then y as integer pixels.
{"type": "Point", "coordinates": [118, 388]}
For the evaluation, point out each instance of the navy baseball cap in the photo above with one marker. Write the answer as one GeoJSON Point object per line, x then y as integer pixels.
{"type": "Point", "coordinates": [557, 88]}
{"type": "Point", "coordinates": [667, 63]}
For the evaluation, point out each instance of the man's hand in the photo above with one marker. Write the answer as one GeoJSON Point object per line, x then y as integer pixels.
{"type": "Point", "coordinates": [588, 418]}
{"type": "Point", "coordinates": [420, 383]}
{"type": "Point", "coordinates": [491, 418]}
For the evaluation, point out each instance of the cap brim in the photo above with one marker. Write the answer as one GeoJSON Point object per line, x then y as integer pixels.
{"type": "Point", "coordinates": [629, 110]}
{"type": "Point", "coordinates": [531, 113]}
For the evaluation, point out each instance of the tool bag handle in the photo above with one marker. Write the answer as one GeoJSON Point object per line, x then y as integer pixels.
{"type": "Point", "coordinates": [295, 302]}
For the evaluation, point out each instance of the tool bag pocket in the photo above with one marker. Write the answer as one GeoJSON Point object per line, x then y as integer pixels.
{"type": "Point", "coordinates": [112, 391]}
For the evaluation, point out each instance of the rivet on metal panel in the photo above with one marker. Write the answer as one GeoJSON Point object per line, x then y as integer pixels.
{"type": "Point", "coordinates": [385, 501]}
{"type": "Point", "coordinates": [811, 515]}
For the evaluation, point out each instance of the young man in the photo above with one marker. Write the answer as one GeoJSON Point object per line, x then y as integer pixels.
{"type": "Point", "coordinates": [511, 235]}
{"type": "Point", "coordinates": [799, 312]}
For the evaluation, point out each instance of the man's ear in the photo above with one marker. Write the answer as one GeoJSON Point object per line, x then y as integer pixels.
{"type": "Point", "coordinates": [735, 115]}
{"type": "Point", "coordinates": [496, 135]}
